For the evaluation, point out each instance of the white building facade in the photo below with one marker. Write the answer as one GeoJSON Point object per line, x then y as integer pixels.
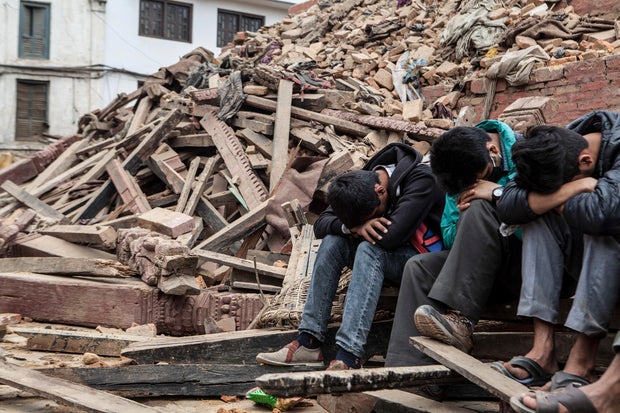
{"type": "Point", "coordinates": [60, 59]}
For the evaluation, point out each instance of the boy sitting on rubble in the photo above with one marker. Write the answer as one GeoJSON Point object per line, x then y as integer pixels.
{"type": "Point", "coordinates": [378, 218]}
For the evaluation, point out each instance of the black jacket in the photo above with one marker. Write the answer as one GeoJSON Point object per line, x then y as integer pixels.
{"type": "Point", "coordinates": [595, 213]}
{"type": "Point", "coordinates": [420, 199]}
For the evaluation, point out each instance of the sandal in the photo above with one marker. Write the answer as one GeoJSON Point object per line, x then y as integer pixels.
{"type": "Point", "coordinates": [573, 399]}
{"type": "Point", "coordinates": [537, 376]}
{"type": "Point", "coordinates": [561, 379]}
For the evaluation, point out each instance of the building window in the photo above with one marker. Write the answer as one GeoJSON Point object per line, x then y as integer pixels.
{"type": "Point", "coordinates": [34, 30]}
{"type": "Point", "coordinates": [231, 22]}
{"type": "Point", "coordinates": [166, 20]}
{"type": "Point", "coordinates": [31, 109]}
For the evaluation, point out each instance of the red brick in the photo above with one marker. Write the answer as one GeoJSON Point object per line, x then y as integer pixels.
{"type": "Point", "coordinates": [477, 86]}
{"type": "Point", "coordinates": [588, 70]}
{"type": "Point", "coordinates": [594, 8]}
{"type": "Point", "coordinates": [547, 74]}
{"type": "Point", "coordinates": [597, 86]}
{"type": "Point", "coordinates": [612, 63]}
{"type": "Point", "coordinates": [301, 7]}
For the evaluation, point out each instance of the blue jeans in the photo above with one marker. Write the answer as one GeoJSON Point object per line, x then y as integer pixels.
{"type": "Point", "coordinates": [370, 265]}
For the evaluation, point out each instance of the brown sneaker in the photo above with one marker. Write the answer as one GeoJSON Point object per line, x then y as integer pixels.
{"type": "Point", "coordinates": [451, 328]}
{"type": "Point", "coordinates": [292, 355]}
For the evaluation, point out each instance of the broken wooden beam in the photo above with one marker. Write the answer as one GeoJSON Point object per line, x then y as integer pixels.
{"type": "Point", "coordinates": [377, 122]}
{"type": "Point", "coordinates": [469, 367]}
{"type": "Point", "coordinates": [340, 125]}
{"type": "Point", "coordinates": [89, 267]}
{"type": "Point", "coordinates": [239, 346]}
{"type": "Point", "coordinates": [32, 202]}
{"type": "Point", "coordinates": [66, 392]}
{"type": "Point", "coordinates": [78, 342]}
{"type": "Point", "coordinates": [279, 158]}
{"type": "Point", "coordinates": [322, 382]}
{"type": "Point", "coordinates": [189, 380]}
{"type": "Point", "coordinates": [100, 236]}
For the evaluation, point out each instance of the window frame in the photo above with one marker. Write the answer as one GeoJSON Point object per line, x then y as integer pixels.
{"type": "Point", "coordinates": [46, 7]}
{"type": "Point", "coordinates": [44, 121]}
{"type": "Point", "coordinates": [240, 16]}
{"type": "Point", "coordinates": [165, 18]}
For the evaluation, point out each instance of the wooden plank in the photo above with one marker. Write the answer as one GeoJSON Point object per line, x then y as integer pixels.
{"type": "Point", "coordinates": [142, 110]}
{"type": "Point", "coordinates": [279, 159]}
{"type": "Point", "coordinates": [241, 263]}
{"type": "Point", "coordinates": [474, 370]}
{"type": "Point", "coordinates": [100, 236]}
{"type": "Point", "coordinates": [187, 186]}
{"type": "Point", "coordinates": [77, 342]}
{"type": "Point", "coordinates": [90, 267]}
{"type": "Point", "coordinates": [238, 347]}
{"type": "Point", "coordinates": [263, 144]}
{"type": "Point", "coordinates": [230, 149]}
{"type": "Point", "coordinates": [340, 125]}
{"type": "Point", "coordinates": [187, 380]}
{"type": "Point", "coordinates": [30, 201]}
{"type": "Point", "coordinates": [341, 381]}
{"type": "Point", "coordinates": [243, 226]}
{"type": "Point", "coordinates": [200, 185]}
{"type": "Point", "coordinates": [201, 140]}
{"type": "Point", "coordinates": [58, 166]}
{"type": "Point", "coordinates": [66, 392]}
{"type": "Point", "coordinates": [399, 401]}
{"type": "Point", "coordinates": [128, 189]}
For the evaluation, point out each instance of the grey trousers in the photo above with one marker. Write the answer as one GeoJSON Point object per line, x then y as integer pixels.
{"type": "Point", "coordinates": [481, 264]}
{"type": "Point", "coordinates": [551, 247]}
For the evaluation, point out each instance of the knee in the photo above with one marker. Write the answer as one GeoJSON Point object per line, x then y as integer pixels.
{"type": "Point", "coordinates": [368, 249]}
{"type": "Point", "coordinates": [477, 208]}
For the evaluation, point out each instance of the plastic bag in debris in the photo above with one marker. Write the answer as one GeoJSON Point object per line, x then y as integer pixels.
{"type": "Point", "coordinates": [258, 396]}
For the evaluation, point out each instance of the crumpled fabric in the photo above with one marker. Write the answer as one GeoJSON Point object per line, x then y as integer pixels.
{"type": "Point", "coordinates": [537, 28]}
{"type": "Point", "coordinates": [516, 66]}
{"type": "Point", "coordinates": [472, 30]}
{"type": "Point", "coordinates": [299, 181]}
{"type": "Point", "coordinates": [231, 96]}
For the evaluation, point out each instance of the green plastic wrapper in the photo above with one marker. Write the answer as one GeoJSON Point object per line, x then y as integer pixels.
{"type": "Point", "coordinates": [257, 395]}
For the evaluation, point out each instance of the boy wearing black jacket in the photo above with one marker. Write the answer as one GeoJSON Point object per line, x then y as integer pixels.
{"type": "Point", "coordinates": [378, 218]}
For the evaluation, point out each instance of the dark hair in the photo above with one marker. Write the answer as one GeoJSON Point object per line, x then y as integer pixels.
{"type": "Point", "coordinates": [547, 158]}
{"type": "Point", "coordinates": [458, 156]}
{"type": "Point", "coordinates": [352, 196]}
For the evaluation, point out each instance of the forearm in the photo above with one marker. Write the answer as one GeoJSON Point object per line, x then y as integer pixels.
{"type": "Point", "coordinates": [542, 203]}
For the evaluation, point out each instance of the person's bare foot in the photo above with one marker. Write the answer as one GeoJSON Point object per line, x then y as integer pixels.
{"type": "Point", "coordinates": [548, 364]}
{"type": "Point", "coordinates": [600, 398]}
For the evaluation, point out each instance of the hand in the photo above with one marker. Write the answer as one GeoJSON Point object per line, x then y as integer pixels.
{"type": "Point", "coordinates": [372, 229]}
{"type": "Point", "coordinates": [480, 190]}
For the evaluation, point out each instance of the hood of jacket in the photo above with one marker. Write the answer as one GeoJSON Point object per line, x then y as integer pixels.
{"type": "Point", "coordinates": [608, 124]}
{"type": "Point", "coordinates": [404, 156]}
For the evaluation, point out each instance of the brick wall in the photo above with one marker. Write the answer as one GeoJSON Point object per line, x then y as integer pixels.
{"type": "Point", "coordinates": [578, 87]}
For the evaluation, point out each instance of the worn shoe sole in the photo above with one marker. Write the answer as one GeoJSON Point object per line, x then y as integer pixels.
{"type": "Point", "coordinates": [265, 360]}
{"type": "Point", "coordinates": [428, 327]}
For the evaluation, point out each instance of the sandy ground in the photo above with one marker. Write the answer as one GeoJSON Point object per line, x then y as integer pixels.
{"type": "Point", "coordinates": [13, 400]}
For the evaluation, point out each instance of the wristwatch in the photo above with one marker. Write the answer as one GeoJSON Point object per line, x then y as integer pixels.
{"type": "Point", "coordinates": [496, 194]}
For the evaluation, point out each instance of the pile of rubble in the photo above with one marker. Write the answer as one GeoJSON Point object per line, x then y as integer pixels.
{"type": "Point", "coordinates": [199, 178]}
